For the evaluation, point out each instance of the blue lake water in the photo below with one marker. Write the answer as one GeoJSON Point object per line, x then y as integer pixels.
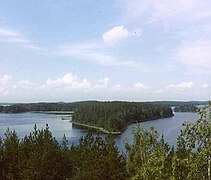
{"type": "Point", "coordinates": [23, 124]}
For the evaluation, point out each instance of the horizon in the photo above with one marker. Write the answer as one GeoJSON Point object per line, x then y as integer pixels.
{"type": "Point", "coordinates": [117, 50]}
{"type": "Point", "coordinates": [91, 100]}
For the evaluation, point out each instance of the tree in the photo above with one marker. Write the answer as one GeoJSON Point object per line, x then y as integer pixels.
{"type": "Point", "coordinates": [95, 158]}
{"type": "Point", "coordinates": [10, 156]}
{"type": "Point", "coordinates": [146, 155]}
{"type": "Point", "coordinates": [194, 148]}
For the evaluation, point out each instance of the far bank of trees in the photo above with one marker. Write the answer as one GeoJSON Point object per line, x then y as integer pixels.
{"type": "Point", "coordinates": [62, 106]}
{"type": "Point", "coordinates": [186, 108]}
{"type": "Point", "coordinates": [115, 116]}
{"type": "Point", "coordinates": [36, 107]}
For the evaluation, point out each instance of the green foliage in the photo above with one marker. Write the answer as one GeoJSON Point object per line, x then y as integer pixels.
{"type": "Point", "coordinates": [39, 156]}
{"type": "Point", "coordinates": [194, 150]}
{"type": "Point", "coordinates": [150, 158]}
{"type": "Point", "coordinates": [147, 155]}
{"type": "Point", "coordinates": [186, 108]}
{"type": "Point", "coordinates": [95, 158]}
{"type": "Point", "coordinates": [115, 116]}
{"type": "Point", "coordinates": [20, 108]}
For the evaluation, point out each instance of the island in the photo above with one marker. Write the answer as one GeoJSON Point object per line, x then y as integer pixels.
{"type": "Point", "coordinates": [114, 117]}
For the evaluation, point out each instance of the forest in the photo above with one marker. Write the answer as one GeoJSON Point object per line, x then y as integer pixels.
{"type": "Point", "coordinates": [38, 156]}
{"type": "Point", "coordinates": [186, 108]}
{"type": "Point", "coordinates": [42, 106]}
{"type": "Point", "coordinates": [115, 116]}
{"type": "Point", "coordinates": [63, 106]}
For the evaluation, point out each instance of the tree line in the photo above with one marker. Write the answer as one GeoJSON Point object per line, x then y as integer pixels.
{"type": "Point", "coordinates": [115, 116]}
{"type": "Point", "coordinates": [186, 108]}
{"type": "Point", "coordinates": [62, 106]}
{"type": "Point", "coordinates": [42, 106]}
{"type": "Point", "coordinates": [38, 156]}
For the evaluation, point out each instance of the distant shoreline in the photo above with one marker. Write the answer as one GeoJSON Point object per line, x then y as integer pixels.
{"type": "Point", "coordinates": [97, 128]}
{"type": "Point", "coordinates": [55, 112]}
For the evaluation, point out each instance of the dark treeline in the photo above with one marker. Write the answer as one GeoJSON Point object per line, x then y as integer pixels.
{"type": "Point", "coordinates": [179, 103]}
{"type": "Point", "coordinates": [30, 107]}
{"type": "Point", "coordinates": [62, 106]}
{"type": "Point", "coordinates": [115, 116]}
{"type": "Point", "coordinates": [38, 156]}
{"type": "Point", "coordinates": [186, 108]}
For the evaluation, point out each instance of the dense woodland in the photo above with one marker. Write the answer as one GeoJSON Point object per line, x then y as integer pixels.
{"type": "Point", "coordinates": [36, 107]}
{"type": "Point", "coordinates": [186, 108]}
{"type": "Point", "coordinates": [115, 116]}
{"type": "Point", "coordinates": [179, 103]}
{"type": "Point", "coordinates": [62, 106]}
{"type": "Point", "coordinates": [38, 156]}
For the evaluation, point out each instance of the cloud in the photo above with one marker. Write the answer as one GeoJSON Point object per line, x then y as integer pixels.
{"type": "Point", "coordinates": [118, 33]}
{"type": "Point", "coordinates": [195, 54]}
{"type": "Point", "coordinates": [102, 83]}
{"type": "Point", "coordinates": [165, 11]}
{"type": "Point", "coordinates": [140, 86]}
{"type": "Point", "coordinates": [95, 53]}
{"type": "Point", "coordinates": [205, 86]}
{"type": "Point", "coordinates": [5, 84]}
{"type": "Point", "coordinates": [115, 34]}
{"type": "Point", "coordinates": [68, 81]}
{"type": "Point", "coordinates": [26, 84]}
{"type": "Point", "coordinates": [4, 80]}
{"type": "Point", "coordinates": [8, 33]}
{"type": "Point", "coordinates": [181, 86]}
{"type": "Point", "coordinates": [10, 36]}
{"type": "Point", "coordinates": [117, 87]}
{"type": "Point", "coordinates": [71, 88]}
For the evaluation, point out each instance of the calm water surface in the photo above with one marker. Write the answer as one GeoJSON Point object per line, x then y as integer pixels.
{"type": "Point", "coordinates": [23, 124]}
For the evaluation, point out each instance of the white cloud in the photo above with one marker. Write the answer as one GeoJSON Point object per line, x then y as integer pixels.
{"type": "Point", "coordinates": [4, 80]}
{"type": "Point", "coordinates": [165, 11]}
{"type": "Point", "coordinates": [140, 86]}
{"type": "Point", "coordinates": [102, 83]}
{"type": "Point", "coordinates": [95, 53]}
{"type": "Point", "coordinates": [196, 54]}
{"type": "Point", "coordinates": [181, 86]}
{"type": "Point", "coordinates": [8, 33]}
{"type": "Point", "coordinates": [205, 86]}
{"type": "Point", "coordinates": [68, 81]}
{"type": "Point", "coordinates": [117, 87]}
{"type": "Point", "coordinates": [71, 88]}
{"type": "Point", "coordinates": [119, 33]}
{"type": "Point", "coordinates": [5, 84]}
{"type": "Point", "coordinates": [10, 36]}
{"type": "Point", "coordinates": [159, 91]}
{"type": "Point", "coordinates": [32, 47]}
{"type": "Point", "coordinates": [115, 34]}
{"type": "Point", "coordinates": [26, 84]}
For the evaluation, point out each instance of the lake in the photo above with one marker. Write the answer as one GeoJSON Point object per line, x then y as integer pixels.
{"type": "Point", "coordinates": [23, 123]}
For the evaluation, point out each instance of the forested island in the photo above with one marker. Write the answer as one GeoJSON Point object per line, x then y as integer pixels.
{"type": "Point", "coordinates": [115, 116]}
{"type": "Point", "coordinates": [186, 108]}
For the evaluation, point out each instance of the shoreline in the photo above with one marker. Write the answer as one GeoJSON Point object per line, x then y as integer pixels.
{"type": "Point", "coordinates": [97, 128]}
{"type": "Point", "coordinates": [115, 132]}
{"type": "Point", "coordinates": [55, 112]}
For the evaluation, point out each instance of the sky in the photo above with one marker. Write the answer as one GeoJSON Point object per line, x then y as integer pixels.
{"type": "Point", "coordinates": [130, 50]}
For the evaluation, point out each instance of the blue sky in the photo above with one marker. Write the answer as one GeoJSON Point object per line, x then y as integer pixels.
{"type": "Point", "coordinates": [135, 50]}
